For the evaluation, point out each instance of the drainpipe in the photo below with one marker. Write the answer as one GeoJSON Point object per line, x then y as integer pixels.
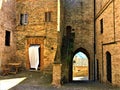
{"type": "Point", "coordinates": [94, 40]}
{"type": "Point", "coordinates": [58, 15]}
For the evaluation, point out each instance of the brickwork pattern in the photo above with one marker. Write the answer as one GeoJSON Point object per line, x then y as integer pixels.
{"type": "Point", "coordinates": [7, 22]}
{"type": "Point", "coordinates": [108, 40]}
{"type": "Point", "coordinates": [37, 27]}
{"type": "Point", "coordinates": [79, 14]}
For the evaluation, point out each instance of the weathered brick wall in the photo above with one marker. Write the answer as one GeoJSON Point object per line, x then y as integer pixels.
{"type": "Point", "coordinates": [108, 40]}
{"type": "Point", "coordinates": [57, 75]}
{"type": "Point", "coordinates": [37, 27]}
{"type": "Point", "coordinates": [117, 18]}
{"type": "Point", "coordinates": [100, 4]}
{"type": "Point", "coordinates": [7, 22]}
{"type": "Point", "coordinates": [115, 60]}
{"type": "Point", "coordinates": [79, 14]}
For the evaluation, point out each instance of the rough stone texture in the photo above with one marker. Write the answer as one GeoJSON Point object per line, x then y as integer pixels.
{"type": "Point", "coordinates": [40, 81]}
{"type": "Point", "coordinates": [7, 22]}
{"type": "Point", "coordinates": [37, 27]}
{"type": "Point", "coordinates": [79, 14]}
{"type": "Point", "coordinates": [109, 39]}
{"type": "Point", "coordinates": [57, 75]}
{"type": "Point", "coordinates": [100, 4]}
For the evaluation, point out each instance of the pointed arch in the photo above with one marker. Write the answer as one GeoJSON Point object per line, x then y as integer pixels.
{"type": "Point", "coordinates": [79, 67]}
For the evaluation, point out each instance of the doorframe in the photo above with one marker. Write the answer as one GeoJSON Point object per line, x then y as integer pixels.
{"type": "Point", "coordinates": [108, 67]}
{"type": "Point", "coordinates": [35, 40]}
{"type": "Point", "coordinates": [87, 67]}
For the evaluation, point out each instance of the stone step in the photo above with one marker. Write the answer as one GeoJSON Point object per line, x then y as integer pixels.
{"type": "Point", "coordinates": [48, 69]}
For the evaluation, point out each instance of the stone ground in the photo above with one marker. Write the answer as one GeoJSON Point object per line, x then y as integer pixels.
{"type": "Point", "coordinates": [39, 81]}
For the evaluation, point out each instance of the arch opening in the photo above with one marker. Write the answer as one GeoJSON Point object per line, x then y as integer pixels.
{"type": "Point", "coordinates": [80, 67]}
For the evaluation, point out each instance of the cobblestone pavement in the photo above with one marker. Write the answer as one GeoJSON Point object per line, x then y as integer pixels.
{"type": "Point", "coordinates": [40, 81]}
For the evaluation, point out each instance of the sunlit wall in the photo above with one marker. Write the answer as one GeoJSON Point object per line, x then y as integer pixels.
{"type": "Point", "coordinates": [7, 24]}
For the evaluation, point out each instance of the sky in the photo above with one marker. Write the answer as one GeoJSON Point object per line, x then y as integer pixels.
{"type": "Point", "coordinates": [81, 55]}
{"type": "Point", "coordinates": [80, 59]}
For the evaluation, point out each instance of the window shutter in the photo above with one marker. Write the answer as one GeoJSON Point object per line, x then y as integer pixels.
{"type": "Point", "coordinates": [23, 19]}
{"type": "Point", "coordinates": [47, 16]}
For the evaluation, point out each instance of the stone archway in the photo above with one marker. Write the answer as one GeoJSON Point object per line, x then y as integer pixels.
{"type": "Point", "coordinates": [82, 68]}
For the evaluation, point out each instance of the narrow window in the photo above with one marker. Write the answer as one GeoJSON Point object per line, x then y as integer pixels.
{"type": "Point", "coordinates": [7, 38]}
{"type": "Point", "coordinates": [47, 16]}
{"type": "Point", "coordinates": [23, 19]}
{"type": "Point", "coordinates": [101, 26]}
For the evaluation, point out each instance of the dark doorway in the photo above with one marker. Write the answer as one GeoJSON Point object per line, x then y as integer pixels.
{"type": "Point", "coordinates": [97, 70]}
{"type": "Point", "coordinates": [39, 58]}
{"type": "Point", "coordinates": [108, 62]}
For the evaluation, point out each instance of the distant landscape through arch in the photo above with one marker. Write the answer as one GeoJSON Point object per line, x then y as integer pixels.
{"type": "Point", "coordinates": [80, 69]}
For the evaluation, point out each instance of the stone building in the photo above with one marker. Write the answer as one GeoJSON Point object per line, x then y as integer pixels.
{"type": "Point", "coordinates": [107, 41]}
{"type": "Point", "coordinates": [39, 27]}
{"type": "Point", "coordinates": [79, 21]}
{"type": "Point", "coordinates": [7, 31]}
{"type": "Point", "coordinates": [59, 29]}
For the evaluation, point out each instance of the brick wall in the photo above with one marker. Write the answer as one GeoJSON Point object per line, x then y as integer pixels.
{"type": "Point", "coordinates": [37, 27]}
{"type": "Point", "coordinates": [100, 4]}
{"type": "Point", "coordinates": [79, 14]}
{"type": "Point", "coordinates": [108, 41]}
{"type": "Point", "coordinates": [7, 22]}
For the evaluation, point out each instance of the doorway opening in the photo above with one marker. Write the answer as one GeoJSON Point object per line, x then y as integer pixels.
{"type": "Point", "coordinates": [80, 67]}
{"type": "Point", "coordinates": [34, 56]}
{"type": "Point", "coordinates": [97, 68]}
{"type": "Point", "coordinates": [109, 71]}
